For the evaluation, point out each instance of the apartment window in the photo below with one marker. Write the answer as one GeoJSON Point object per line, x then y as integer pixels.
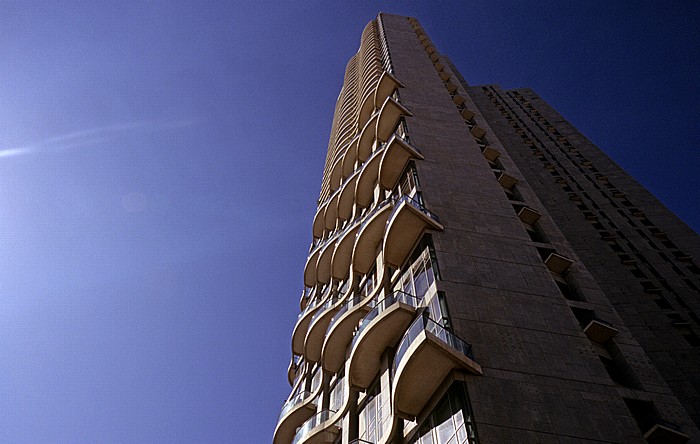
{"type": "Point", "coordinates": [418, 277]}
{"type": "Point", "coordinates": [375, 415]}
{"type": "Point", "coordinates": [450, 422]}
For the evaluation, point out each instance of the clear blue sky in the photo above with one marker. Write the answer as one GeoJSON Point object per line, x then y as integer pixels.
{"type": "Point", "coordinates": [160, 163]}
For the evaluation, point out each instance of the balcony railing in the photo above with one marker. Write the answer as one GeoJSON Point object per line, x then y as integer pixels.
{"type": "Point", "coordinates": [355, 301]}
{"type": "Point", "coordinates": [295, 401]}
{"type": "Point", "coordinates": [310, 424]}
{"type": "Point", "coordinates": [424, 323]}
{"type": "Point", "coordinates": [419, 206]}
{"type": "Point", "coordinates": [381, 306]}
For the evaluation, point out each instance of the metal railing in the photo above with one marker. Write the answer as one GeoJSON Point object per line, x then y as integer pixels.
{"type": "Point", "coordinates": [381, 306]}
{"type": "Point", "coordinates": [295, 401]}
{"type": "Point", "coordinates": [424, 323]}
{"type": "Point", "coordinates": [311, 423]}
{"type": "Point", "coordinates": [419, 206]}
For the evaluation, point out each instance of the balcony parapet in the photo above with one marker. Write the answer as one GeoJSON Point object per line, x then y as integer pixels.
{"type": "Point", "coordinates": [294, 412]}
{"type": "Point", "coordinates": [426, 355]}
{"type": "Point", "coordinates": [408, 220]}
{"type": "Point", "coordinates": [380, 328]}
{"type": "Point", "coordinates": [309, 431]}
{"type": "Point", "coordinates": [342, 324]}
{"type": "Point", "coordinates": [303, 320]}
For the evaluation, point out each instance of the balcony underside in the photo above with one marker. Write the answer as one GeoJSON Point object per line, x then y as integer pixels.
{"type": "Point", "coordinates": [340, 336]}
{"type": "Point", "coordinates": [387, 84]}
{"type": "Point", "coordinates": [368, 238]}
{"type": "Point", "coordinates": [367, 138]}
{"type": "Point", "coordinates": [340, 262]}
{"type": "Point", "coordinates": [383, 331]}
{"type": "Point", "coordinates": [405, 228]}
{"type": "Point", "coordinates": [299, 333]}
{"type": "Point", "coordinates": [394, 160]}
{"type": "Point", "coordinates": [313, 343]}
{"type": "Point", "coordinates": [346, 197]}
{"type": "Point", "coordinates": [350, 157]}
{"type": "Point", "coordinates": [336, 173]}
{"type": "Point", "coordinates": [364, 189]}
{"type": "Point", "coordinates": [323, 266]}
{"type": "Point", "coordinates": [426, 363]}
{"type": "Point", "coordinates": [310, 269]}
{"type": "Point", "coordinates": [330, 215]}
{"type": "Point", "coordinates": [389, 117]}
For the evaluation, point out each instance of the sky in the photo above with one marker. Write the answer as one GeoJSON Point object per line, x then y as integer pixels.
{"type": "Point", "coordinates": [160, 164]}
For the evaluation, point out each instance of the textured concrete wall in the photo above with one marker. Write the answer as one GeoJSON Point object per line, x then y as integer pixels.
{"type": "Point", "coordinates": [543, 380]}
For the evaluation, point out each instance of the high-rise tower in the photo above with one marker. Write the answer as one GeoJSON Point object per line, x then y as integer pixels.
{"type": "Point", "coordinates": [481, 273]}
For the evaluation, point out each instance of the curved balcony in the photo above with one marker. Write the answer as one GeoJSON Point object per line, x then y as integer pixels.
{"type": "Point", "coordinates": [323, 265]}
{"type": "Point", "coordinates": [364, 190]}
{"type": "Point", "coordinates": [386, 86]}
{"type": "Point", "coordinates": [294, 413]}
{"type": "Point", "coordinates": [389, 117]}
{"type": "Point", "coordinates": [380, 328]}
{"type": "Point", "coordinates": [293, 369]}
{"type": "Point", "coordinates": [370, 235]}
{"type": "Point", "coordinates": [340, 262]}
{"type": "Point", "coordinates": [318, 429]}
{"type": "Point", "coordinates": [313, 343]}
{"type": "Point", "coordinates": [407, 223]}
{"type": "Point", "coordinates": [396, 156]}
{"type": "Point", "coordinates": [303, 320]}
{"type": "Point", "coordinates": [346, 198]}
{"type": "Point", "coordinates": [310, 266]}
{"type": "Point", "coordinates": [367, 137]}
{"type": "Point", "coordinates": [341, 326]}
{"type": "Point", "coordinates": [366, 108]}
{"type": "Point", "coordinates": [424, 358]}
{"type": "Point", "coordinates": [330, 215]}
{"type": "Point", "coordinates": [350, 156]}
{"type": "Point", "coordinates": [317, 227]}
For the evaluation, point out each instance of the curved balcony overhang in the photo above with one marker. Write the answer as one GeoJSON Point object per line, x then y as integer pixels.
{"type": "Point", "coordinates": [330, 215]}
{"type": "Point", "coordinates": [364, 190]}
{"type": "Point", "coordinates": [451, 87]}
{"type": "Point", "coordinates": [336, 176]}
{"type": "Point", "coordinates": [313, 343]}
{"type": "Point", "coordinates": [369, 236]}
{"type": "Point", "coordinates": [366, 108]}
{"type": "Point", "coordinates": [407, 223]}
{"type": "Point", "coordinates": [323, 266]}
{"type": "Point", "coordinates": [381, 332]}
{"type": "Point", "coordinates": [386, 86]}
{"type": "Point", "coordinates": [439, 66]}
{"type": "Point", "coordinates": [340, 262]}
{"type": "Point", "coordinates": [396, 156]}
{"type": "Point", "coordinates": [350, 157]}
{"type": "Point", "coordinates": [444, 76]}
{"type": "Point", "coordinates": [299, 332]}
{"type": "Point", "coordinates": [389, 117]}
{"type": "Point", "coordinates": [318, 224]}
{"type": "Point", "coordinates": [346, 198]}
{"type": "Point", "coordinates": [289, 421]}
{"type": "Point", "coordinates": [367, 137]}
{"type": "Point", "coordinates": [310, 268]}
{"type": "Point", "coordinates": [342, 325]}
{"type": "Point", "coordinates": [425, 358]}
{"type": "Point", "coordinates": [458, 100]}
